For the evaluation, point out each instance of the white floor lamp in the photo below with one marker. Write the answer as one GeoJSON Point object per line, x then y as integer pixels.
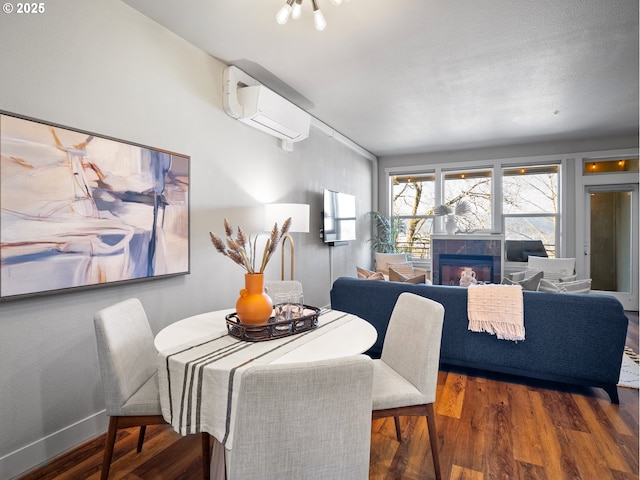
{"type": "Point", "coordinates": [278, 213]}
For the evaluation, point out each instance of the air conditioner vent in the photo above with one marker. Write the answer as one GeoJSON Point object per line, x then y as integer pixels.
{"type": "Point", "coordinates": [254, 104]}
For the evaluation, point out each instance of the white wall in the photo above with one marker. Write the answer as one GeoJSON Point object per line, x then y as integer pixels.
{"type": "Point", "coordinates": [103, 67]}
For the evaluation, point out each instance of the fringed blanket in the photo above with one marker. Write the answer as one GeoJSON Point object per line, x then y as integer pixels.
{"type": "Point", "coordinates": [496, 309]}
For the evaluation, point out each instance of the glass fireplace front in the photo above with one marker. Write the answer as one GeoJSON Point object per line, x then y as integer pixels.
{"type": "Point", "coordinates": [454, 267]}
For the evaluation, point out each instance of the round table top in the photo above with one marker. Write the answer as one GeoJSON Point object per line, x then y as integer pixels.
{"type": "Point", "coordinates": [351, 338]}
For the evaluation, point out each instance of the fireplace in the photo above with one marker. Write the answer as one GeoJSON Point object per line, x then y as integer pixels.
{"type": "Point", "coordinates": [452, 267]}
{"type": "Point", "coordinates": [451, 254]}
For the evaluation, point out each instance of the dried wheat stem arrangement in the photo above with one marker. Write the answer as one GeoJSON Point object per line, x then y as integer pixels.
{"type": "Point", "coordinates": [239, 248]}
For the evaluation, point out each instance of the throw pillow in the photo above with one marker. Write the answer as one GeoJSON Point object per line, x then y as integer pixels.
{"type": "Point", "coordinates": [554, 275]}
{"type": "Point", "coordinates": [516, 276]}
{"type": "Point", "coordinates": [570, 278]}
{"type": "Point", "coordinates": [395, 276]}
{"type": "Point", "coordinates": [547, 286]}
{"type": "Point", "coordinates": [368, 274]}
{"type": "Point", "coordinates": [363, 272]}
{"type": "Point", "coordinates": [526, 273]}
{"type": "Point", "coordinates": [405, 268]}
{"type": "Point", "coordinates": [579, 286]}
{"type": "Point", "coordinates": [531, 283]}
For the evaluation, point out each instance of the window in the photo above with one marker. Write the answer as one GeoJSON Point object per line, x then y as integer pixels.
{"type": "Point", "coordinates": [530, 204]}
{"type": "Point", "coordinates": [473, 186]}
{"type": "Point", "coordinates": [529, 201]}
{"type": "Point", "coordinates": [413, 200]}
{"type": "Point", "coordinates": [598, 167]}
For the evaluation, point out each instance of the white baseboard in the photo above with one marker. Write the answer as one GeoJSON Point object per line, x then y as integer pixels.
{"type": "Point", "coordinates": [41, 451]}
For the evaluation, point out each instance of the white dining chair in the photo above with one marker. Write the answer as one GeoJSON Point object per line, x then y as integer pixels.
{"type": "Point", "coordinates": [303, 421]}
{"type": "Point", "coordinates": [406, 375]}
{"type": "Point", "coordinates": [128, 369]}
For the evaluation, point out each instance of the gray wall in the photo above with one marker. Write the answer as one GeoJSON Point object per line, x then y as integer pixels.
{"type": "Point", "coordinates": [101, 66]}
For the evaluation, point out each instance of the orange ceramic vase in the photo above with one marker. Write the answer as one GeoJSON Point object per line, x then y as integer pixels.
{"type": "Point", "coordinates": [254, 307]}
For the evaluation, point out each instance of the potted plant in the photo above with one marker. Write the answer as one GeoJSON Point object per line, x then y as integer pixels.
{"type": "Point", "coordinates": [450, 212]}
{"type": "Point", "coordinates": [386, 229]}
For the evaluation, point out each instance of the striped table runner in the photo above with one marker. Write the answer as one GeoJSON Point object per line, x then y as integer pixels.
{"type": "Point", "coordinates": [199, 381]}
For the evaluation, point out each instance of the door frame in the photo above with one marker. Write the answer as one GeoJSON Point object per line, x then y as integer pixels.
{"type": "Point", "coordinates": [585, 184]}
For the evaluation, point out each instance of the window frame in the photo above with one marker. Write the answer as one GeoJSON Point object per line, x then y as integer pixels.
{"type": "Point", "coordinates": [554, 215]}
{"type": "Point", "coordinates": [496, 167]}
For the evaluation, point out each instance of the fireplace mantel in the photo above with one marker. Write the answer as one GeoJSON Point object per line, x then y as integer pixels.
{"type": "Point", "coordinates": [467, 245]}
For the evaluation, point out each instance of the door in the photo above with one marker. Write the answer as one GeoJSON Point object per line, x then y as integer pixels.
{"type": "Point", "coordinates": [611, 241]}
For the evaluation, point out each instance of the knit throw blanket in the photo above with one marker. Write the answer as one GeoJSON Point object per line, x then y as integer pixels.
{"type": "Point", "coordinates": [496, 309]}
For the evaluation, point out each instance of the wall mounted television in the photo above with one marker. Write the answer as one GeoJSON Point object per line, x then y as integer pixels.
{"type": "Point", "coordinates": [338, 218]}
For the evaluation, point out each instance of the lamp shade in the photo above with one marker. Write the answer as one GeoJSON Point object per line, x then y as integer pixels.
{"type": "Point", "coordinates": [279, 212]}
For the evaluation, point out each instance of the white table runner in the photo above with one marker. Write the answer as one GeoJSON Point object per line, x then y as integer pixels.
{"type": "Point", "coordinates": [199, 381]}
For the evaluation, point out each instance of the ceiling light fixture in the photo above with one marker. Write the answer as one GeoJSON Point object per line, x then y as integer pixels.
{"type": "Point", "coordinates": [293, 9]}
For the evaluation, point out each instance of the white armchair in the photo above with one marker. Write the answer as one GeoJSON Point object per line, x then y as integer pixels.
{"type": "Point", "coordinates": [383, 260]}
{"type": "Point", "coordinates": [558, 275]}
{"type": "Point", "coordinates": [554, 269]}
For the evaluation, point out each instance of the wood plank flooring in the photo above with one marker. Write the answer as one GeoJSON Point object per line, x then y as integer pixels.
{"type": "Point", "coordinates": [489, 427]}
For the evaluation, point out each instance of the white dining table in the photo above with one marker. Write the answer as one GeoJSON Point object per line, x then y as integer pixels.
{"type": "Point", "coordinates": [351, 338]}
{"type": "Point", "coordinates": [200, 364]}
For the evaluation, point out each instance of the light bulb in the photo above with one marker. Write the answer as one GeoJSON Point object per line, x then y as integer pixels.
{"type": "Point", "coordinates": [283, 14]}
{"type": "Point", "coordinates": [297, 10]}
{"type": "Point", "coordinates": [318, 20]}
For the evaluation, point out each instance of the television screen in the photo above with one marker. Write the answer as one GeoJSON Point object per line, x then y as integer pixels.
{"type": "Point", "coordinates": [339, 217]}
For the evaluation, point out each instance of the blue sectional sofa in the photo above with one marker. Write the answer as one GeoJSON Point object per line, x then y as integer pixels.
{"type": "Point", "coordinates": [570, 338]}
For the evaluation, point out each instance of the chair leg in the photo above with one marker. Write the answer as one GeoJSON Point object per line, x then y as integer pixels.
{"type": "Point", "coordinates": [433, 438]}
{"type": "Point", "coordinates": [396, 420]}
{"type": "Point", "coordinates": [143, 429]}
{"type": "Point", "coordinates": [206, 456]}
{"type": "Point", "coordinates": [108, 448]}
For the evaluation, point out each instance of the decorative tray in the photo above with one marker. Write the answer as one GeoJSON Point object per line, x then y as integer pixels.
{"type": "Point", "coordinates": [273, 329]}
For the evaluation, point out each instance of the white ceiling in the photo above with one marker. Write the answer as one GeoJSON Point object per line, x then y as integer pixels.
{"type": "Point", "coordinates": [407, 76]}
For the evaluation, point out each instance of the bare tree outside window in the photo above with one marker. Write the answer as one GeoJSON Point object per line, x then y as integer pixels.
{"type": "Point", "coordinates": [530, 200]}
{"type": "Point", "coordinates": [473, 187]}
{"type": "Point", "coordinates": [413, 200]}
{"type": "Point", "coordinates": [530, 205]}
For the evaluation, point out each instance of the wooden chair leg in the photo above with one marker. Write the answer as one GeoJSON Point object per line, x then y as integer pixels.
{"type": "Point", "coordinates": [433, 438]}
{"type": "Point", "coordinates": [396, 420]}
{"type": "Point", "coordinates": [143, 429]}
{"type": "Point", "coordinates": [206, 456]}
{"type": "Point", "coordinates": [108, 448]}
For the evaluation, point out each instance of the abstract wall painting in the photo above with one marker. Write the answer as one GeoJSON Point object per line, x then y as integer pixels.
{"type": "Point", "coordinates": [79, 209]}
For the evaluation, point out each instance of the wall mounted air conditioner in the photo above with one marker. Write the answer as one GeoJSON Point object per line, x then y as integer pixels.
{"type": "Point", "coordinates": [254, 104]}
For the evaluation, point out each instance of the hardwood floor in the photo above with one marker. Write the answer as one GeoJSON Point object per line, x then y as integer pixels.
{"type": "Point", "coordinates": [489, 427]}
